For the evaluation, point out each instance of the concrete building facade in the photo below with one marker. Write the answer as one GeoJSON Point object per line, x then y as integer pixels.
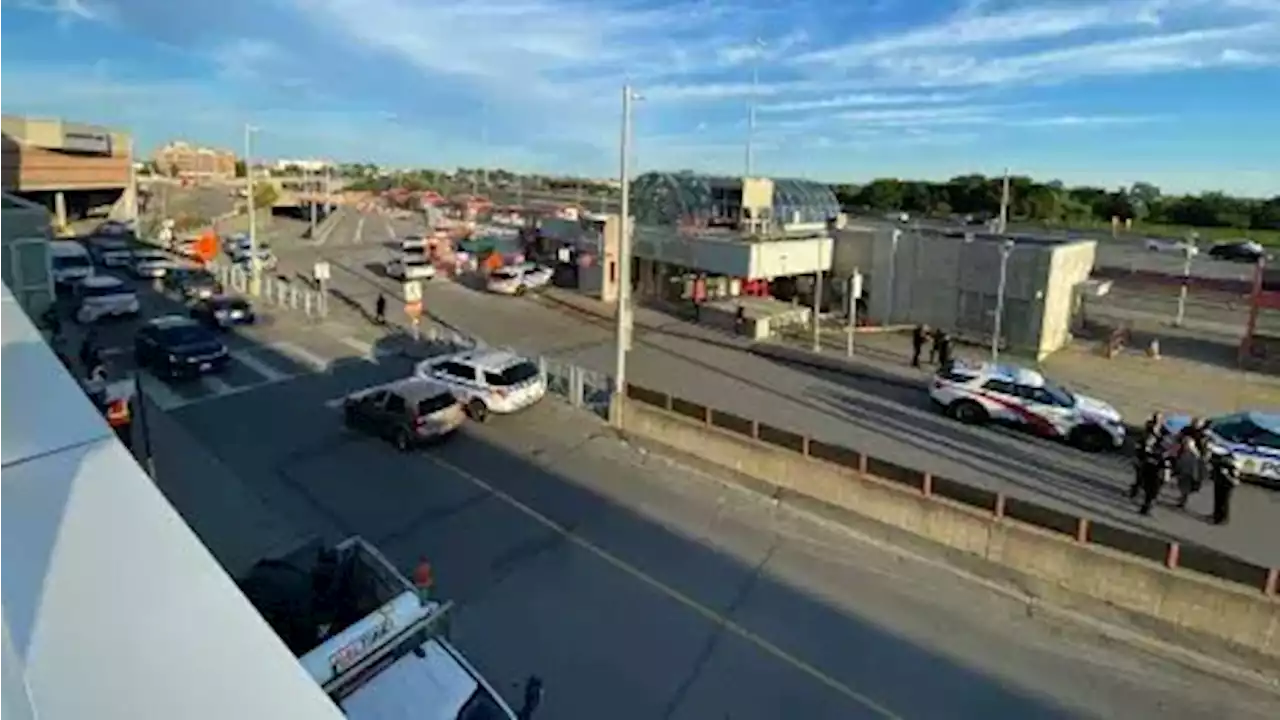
{"type": "Point", "coordinates": [951, 281]}
{"type": "Point", "coordinates": [181, 159]}
{"type": "Point", "coordinates": [25, 232]}
{"type": "Point", "coordinates": [74, 169]}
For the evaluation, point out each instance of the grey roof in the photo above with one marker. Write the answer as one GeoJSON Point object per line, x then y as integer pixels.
{"type": "Point", "coordinates": [664, 198]}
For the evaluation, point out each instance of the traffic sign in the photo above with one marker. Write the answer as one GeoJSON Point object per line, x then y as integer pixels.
{"type": "Point", "coordinates": [412, 291]}
{"type": "Point", "coordinates": [321, 271]}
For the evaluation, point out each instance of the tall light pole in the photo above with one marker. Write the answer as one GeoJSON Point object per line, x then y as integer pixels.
{"type": "Point", "coordinates": [893, 273]}
{"type": "Point", "coordinates": [1004, 203]}
{"type": "Point", "coordinates": [255, 273]}
{"type": "Point", "coordinates": [309, 187]}
{"type": "Point", "coordinates": [623, 331]}
{"type": "Point", "coordinates": [751, 107]}
{"type": "Point", "coordinates": [1006, 249]}
{"type": "Point", "coordinates": [1188, 252]}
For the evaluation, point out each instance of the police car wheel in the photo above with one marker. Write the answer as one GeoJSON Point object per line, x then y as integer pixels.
{"type": "Point", "coordinates": [968, 412]}
{"type": "Point", "coordinates": [477, 410]}
{"type": "Point", "coordinates": [1090, 439]}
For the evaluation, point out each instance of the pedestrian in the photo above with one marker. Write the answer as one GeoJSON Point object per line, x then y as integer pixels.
{"type": "Point", "coordinates": [1152, 436]}
{"type": "Point", "coordinates": [919, 336]}
{"type": "Point", "coordinates": [1150, 478]}
{"type": "Point", "coordinates": [380, 310]}
{"type": "Point", "coordinates": [740, 321]}
{"type": "Point", "coordinates": [1226, 476]}
{"type": "Point", "coordinates": [88, 349]}
{"type": "Point", "coordinates": [699, 292]}
{"type": "Point", "coordinates": [1191, 460]}
{"type": "Point", "coordinates": [933, 336]}
{"type": "Point", "coordinates": [943, 345]}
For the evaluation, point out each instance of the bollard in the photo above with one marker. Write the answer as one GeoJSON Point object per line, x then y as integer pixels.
{"type": "Point", "coordinates": [293, 298]}
{"type": "Point", "coordinates": [306, 303]}
{"type": "Point", "coordinates": [1153, 349]}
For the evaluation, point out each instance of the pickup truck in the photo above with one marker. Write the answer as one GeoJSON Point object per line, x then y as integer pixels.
{"type": "Point", "coordinates": [371, 641]}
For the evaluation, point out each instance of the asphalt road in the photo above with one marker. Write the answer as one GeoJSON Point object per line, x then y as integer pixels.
{"type": "Point", "coordinates": [637, 589]}
{"type": "Point", "coordinates": [1132, 255]}
{"type": "Point", "coordinates": [882, 420]}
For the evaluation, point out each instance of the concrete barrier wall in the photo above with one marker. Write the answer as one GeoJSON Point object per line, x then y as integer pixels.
{"type": "Point", "coordinates": [1065, 568]}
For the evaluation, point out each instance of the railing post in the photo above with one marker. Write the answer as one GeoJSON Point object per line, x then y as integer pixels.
{"type": "Point", "coordinates": [862, 463]}
{"type": "Point", "coordinates": [666, 402]}
{"type": "Point", "coordinates": [804, 445]}
{"type": "Point", "coordinates": [1082, 529]}
{"type": "Point", "coordinates": [755, 429]}
{"type": "Point", "coordinates": [1171, 558]}
{"type": "Point", "coordinates": [926, 485]}
{"type": "Point", "coordinates": [706, 415]}
{"type": "Point", "coordinates": [999, 508]}
{"type": "Point", "coordinates": [1273, 580]}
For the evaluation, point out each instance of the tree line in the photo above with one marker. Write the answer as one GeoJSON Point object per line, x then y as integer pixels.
{"type": "Point", "coordinates": [978, 196]}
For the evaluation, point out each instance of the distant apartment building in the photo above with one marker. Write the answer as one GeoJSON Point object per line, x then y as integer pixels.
{"type": "Point", "coordinates": [308, 166]}
{"type": "Point", "coordinates": [180, 159]}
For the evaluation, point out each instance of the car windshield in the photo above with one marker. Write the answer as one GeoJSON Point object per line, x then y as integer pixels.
{"type": "Point", "coordinates": [435, 404]}
{"type": "Point", "coordinates": [1060, 395]}
{"type": "Point", "coordinates": [516, 374]}
{"type": "Point", "coordinates": [180, 335]}
{"type": "Point", "coordinates": [481, 706]}
{"type": "Point", "coordinates": [1242, 429]}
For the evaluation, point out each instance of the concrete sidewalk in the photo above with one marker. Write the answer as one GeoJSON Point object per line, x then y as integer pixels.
{"type": "Point", "coordinates": [1132, 382]}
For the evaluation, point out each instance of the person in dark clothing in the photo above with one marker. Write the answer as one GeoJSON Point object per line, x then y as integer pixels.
{"type": "Point", "coordinates": [740, 321]}
{"type": "Point", "coordinates": [919, 336]}
{"type": "Point", "coordinates": [1150, 473]}
{"type": "Point", "coordinates": [1225, 476]}
{"type": "Point", "coordinates": [380, 310]}
{"type": "Point", "coordinates": [933, 336]}
{"type": "Point", "coordinates": [942, 345]}
{"type": "Point", "coordinates": [89, 350]}
{"type": "Point", "coordinates": [1152, 436]}
{"type": "Point", "coordinates": [1192, 459]}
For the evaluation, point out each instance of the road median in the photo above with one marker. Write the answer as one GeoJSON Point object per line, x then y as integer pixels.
{"type": "Point", "coordinates": [1187, 595]}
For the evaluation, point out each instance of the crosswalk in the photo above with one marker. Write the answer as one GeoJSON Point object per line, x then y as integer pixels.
{"type": "Point", "coordinates": [254, 366]}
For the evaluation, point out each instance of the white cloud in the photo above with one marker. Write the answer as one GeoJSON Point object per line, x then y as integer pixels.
{"type": "Point", "coordinates": [1087, 120]}
{"type": "Point", "coordinates": [860, 100]}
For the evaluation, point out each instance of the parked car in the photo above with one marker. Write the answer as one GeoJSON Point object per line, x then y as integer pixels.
{"type": "Point", "coordinates": [111, 251]}
{"type": "Point", "coordinates": [102, 296]}
{"type": "Point", "coordinates": [176, 347]}
{"type": "Point", "coordinates": [978, 394]}
{"type": "Point", "coordinates": [69, 262]}
{"type": "Point", "coordinates": [487, 381]}
{"type": "Point", "coordinates": [193, 283]}
{"type": "Point", "coordinates": [408, 412]}
{"type": "Point", "coordinates": [223, 311]}
{"type": "Point", "coordinates": [1251, 438]}
{"type": "Point", "coordinates": [410, 266]}
{"type": "Point", "coordinates": [519, 279]}
{"type": "Point", "coordinates": [1238, 251]}
{"type": "Point", "coordinates": [1177, 247]}
{"type": "Point", "coordinates": [151, 264]}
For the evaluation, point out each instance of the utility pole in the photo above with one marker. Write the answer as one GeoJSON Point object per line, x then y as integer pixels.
{"type": "Point", "coordinates": [623, 340]}
{"type": "Point", "coordinates": [1006, 249]}
{"type": "Point", "coordinates": [255, 274]}
{"type": "Point", "coordinates": [1004, 203]}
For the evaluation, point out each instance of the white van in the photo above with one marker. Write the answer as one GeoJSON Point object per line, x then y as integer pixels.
{"type": "Point", "coordinates": [102, 296]}
{"type": "Point", "coordinates": [69, 262]}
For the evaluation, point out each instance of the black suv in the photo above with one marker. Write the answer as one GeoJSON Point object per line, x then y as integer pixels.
{"type": "Point", "coordinates": [193, 283]}
{"type": "Point", "coordinates": [176, 347]}
{"type": "Point", "coordinates": [223, 311]}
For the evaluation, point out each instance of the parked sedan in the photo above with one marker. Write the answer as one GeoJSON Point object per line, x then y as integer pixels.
{"type": "Point", "coordinates": [224, 311]}
{"type": "Point", "coordinates": [174, 347]}
{"type": "Point", "coordinates": [151, 264]}
{"type": "Point", "coordinates": [1238, 251]}
{"type": "Point", "coordinates": [519, 279]}
{"type": "Point", "coordinates": [409, 412]}
{"type": "Point", "coordinates": [1176, 247]}
{"type": "Point", "coordinates": [193, 283]}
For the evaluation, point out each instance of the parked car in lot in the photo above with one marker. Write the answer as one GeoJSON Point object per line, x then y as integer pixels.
{"type": "Point", "coordinates": [193, 283]}
{"type": "Point", "coordinates": [407, 412]}
{"type": "Point", "coordinates": [1251, 438]}
{"type": "Point", "coordinates": [69, 262]}
{"type": "Point", "coordinates": [487, 381]}
{"type": "Point", "coordinates": [410, 266]}
{"type": "Point", "coordinates": [103, 296]}
{"type": "Point", "coordinates": [1176, 247]}
{"type": "Point", "coordinates": [1238, 251]}
{"type": "Point", "coordinates": [978, 394]}
{"type": "Point", "coordinates": [176, 347]}
{"type": "Point", "coordinates": [151, 264]}
{"type": "Point", "coordinates": [223, 311]}
{"type": "Point", "coordinates": [519, 279]}
{"type": "Point", "coordinates": [111, 251]}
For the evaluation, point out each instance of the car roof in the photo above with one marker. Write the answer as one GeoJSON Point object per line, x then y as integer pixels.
{"type": "Point", "coordinates": [171, 321]}
{"type": "Point", "coordinates": [102, 281]}
{"type": "Point", "coordinates": [1269, 421]}
{"type": "Point", "coordinates": [490, 360]}
{"type": "Point", "coordinates": [1003, 371]}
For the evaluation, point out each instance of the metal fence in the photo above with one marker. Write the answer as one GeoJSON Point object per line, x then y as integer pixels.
{"type": "Point", "coordinates": [275, 291]}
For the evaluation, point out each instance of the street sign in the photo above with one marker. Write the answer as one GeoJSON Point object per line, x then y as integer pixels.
{"type": "Point", "coordinates": [321, 271]}
{"type": "Point", "coordinates": [412, 292]}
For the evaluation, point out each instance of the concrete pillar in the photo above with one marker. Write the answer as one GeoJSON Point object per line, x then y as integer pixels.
{"type": "Point", "coordinates": [59, 209]}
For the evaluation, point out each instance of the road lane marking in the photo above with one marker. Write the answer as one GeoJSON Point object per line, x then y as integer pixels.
{"type": "Point", "coordinates": [162, 395]}
{"type": "Point", "coordinates": [258, 366]}
{"type": "Point", "coordinates": [359, 231]}
{"type": "Point", "coordinates": [302, 354]}
{"type": "Point", "coordinates": [365, 349]}
{"type": "Point", "coordinates": [711, 615]}
{"type": "Point", "coordinates": [217, 385]}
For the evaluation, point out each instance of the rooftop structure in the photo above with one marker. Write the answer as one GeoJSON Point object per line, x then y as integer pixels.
{"type": "Point", "coordinates": [700, 201]}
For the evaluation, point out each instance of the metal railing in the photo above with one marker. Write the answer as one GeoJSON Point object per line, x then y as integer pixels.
{"type": "Point", "coordinates": [275, 292]}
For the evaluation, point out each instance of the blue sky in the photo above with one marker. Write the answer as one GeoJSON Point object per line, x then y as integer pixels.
{"type": "Point", "coordinates": [1182, 93]}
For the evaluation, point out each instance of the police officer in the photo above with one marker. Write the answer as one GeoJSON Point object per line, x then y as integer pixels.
{"type": "Point", "coordinates": [1152, 437]}
{"type": "Point", "coordinates": [1225, 476]}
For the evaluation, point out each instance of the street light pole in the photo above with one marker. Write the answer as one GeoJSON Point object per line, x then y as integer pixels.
{"type": "Point", "coordinates": [1004, 203]}
{"type": "Point", "coordinates": [623, 315]}
{"type": "Point", "coordinates": [893, 272]}
{"type": "Point", "coordinates": [255, 275]}
{"type": "Point", "coordinates": [1006, 249]}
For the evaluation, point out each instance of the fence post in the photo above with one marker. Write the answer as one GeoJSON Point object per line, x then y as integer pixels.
{"type": "Point", "coordinates": [926, 484]}
{"type": "Point", "coordinates": [306, 303]}
{"type": "Point", "coordinates": [1082, 529]}
{"type": "Point", "coordinates": [1273, 579]}
{"type": "Point", "coordinates": [1171, 558]}
{"type": "Point", "coordinates": [576, 386]}
{"type": "Point", "coordinates": [755, 429]}
{"type": "Point", "coordinates": [999, 508]}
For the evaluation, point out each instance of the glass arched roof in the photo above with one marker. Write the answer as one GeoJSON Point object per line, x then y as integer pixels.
{"type": "Point", "coordinates": [664, 198]}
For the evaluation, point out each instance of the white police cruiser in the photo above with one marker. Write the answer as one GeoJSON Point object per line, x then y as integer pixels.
{"type": "Point", "coordinates": [978, 394]}
{"type": "Point", "coordinates": [1251, 438]}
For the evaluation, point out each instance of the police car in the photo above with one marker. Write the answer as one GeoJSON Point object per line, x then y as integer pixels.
{"type": "Point", "coordinates": [1251, 438]}
{"type": "Point", "coordinates": [487, 381]}
{"type": "Point", "coordinates": [978, 394]}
